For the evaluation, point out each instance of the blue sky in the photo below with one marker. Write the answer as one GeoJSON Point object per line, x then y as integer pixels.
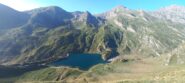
{"type": "Point", "coordinates": [93, 6]}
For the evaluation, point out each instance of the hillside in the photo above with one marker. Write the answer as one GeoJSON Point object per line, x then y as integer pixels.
{"type": "Point", "coordinates": [52, 32]}
{"type": "Point", "coordinates": [138, 43]}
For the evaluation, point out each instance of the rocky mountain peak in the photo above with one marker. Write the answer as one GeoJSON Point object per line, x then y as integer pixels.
{"type": "Point", "coordinates": [115, 12]}
{"type": "Point", "coordinates": [173, 13]}
{"type": "Point", "coordinates": [86, 14]}
{"type": "Point", "coordinates": [88, 18]}
{"type": "Point", "coordinates": [173, 8]}
{"type": "Point", "coordinates": [119, 8]}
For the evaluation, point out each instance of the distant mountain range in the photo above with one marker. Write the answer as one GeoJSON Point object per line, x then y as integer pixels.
{"type": "Point", "coordinates": [49, 33]}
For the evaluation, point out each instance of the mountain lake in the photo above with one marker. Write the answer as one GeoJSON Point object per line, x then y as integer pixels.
{"type": "Point", "coordinates": [81, 61]}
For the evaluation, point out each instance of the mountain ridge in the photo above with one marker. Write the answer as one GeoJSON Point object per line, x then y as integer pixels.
{"type": "Point", "coordinates": [140, 46]}
{"type": "Point", "coordinates": [11, 18]}
{"type": "Point", "coordinates": [52, 32]}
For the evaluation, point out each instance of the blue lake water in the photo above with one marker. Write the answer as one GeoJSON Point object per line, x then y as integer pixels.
{"type": "Point", "coordinates": [81, 61]}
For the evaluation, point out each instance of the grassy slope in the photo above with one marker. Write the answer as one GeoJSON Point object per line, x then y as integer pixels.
{"type": "Point", "coordinates": [122, 71]}
{"type": "Point", "coordinates": [52, 74]}
{"type": "Point", "coordinates": [137, 36]}
{"type": "Point", "coordinates": [134, 72]}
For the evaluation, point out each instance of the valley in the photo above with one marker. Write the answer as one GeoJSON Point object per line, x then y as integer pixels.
{"type": "Point", "coordinates": [50, 44]}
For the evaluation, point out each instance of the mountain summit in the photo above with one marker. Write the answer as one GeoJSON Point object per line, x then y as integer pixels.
{"type": "Point", "coordinates": [173, 13]}
{"type": "Point", "coordinates": [49, 16]}
{"type": "Point", "coordinates": [120, 8]}
{"type": "Point", "coordinates": [173, 8]}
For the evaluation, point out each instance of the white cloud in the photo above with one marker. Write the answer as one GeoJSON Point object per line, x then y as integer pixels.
{"type": "Point", "coordinates": [20, 5]}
